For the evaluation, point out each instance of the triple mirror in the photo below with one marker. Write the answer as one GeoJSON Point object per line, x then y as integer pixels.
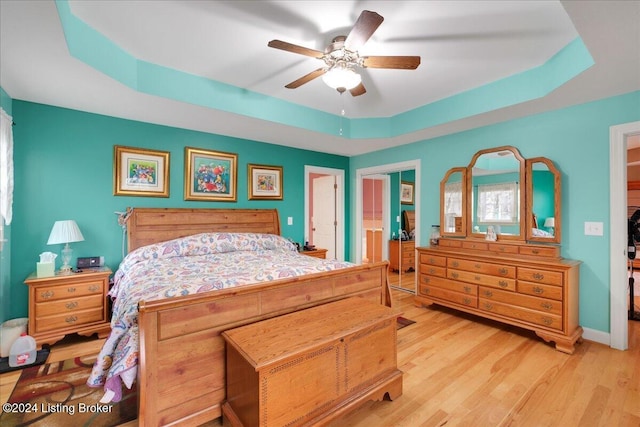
{"type": "Point", "coordinates": [502, 196]}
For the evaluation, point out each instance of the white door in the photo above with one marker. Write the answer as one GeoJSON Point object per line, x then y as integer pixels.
{"type": "Point", "coordinates": [323, 217]}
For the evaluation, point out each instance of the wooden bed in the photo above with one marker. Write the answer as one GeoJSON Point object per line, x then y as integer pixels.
{"type": "Point", "coordinates": [181, 372]}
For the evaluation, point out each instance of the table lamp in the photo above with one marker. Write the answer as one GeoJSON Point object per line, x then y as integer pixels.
{"type": "Point", "coordinates": [550, 223]}
{"type": "Point", "coordinates": [65, 232]}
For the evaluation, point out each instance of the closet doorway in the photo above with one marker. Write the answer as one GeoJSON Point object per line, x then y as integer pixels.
{"type": "Point", "coordinates": [385, 196]}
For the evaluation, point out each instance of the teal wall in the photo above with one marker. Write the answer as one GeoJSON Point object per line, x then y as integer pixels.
{"type": "Point", "coordinates": [64, 170]}
{"type": "Point", "coordinates": [577, 140]}
{"type": "Point", "coordinates": [5, 255]}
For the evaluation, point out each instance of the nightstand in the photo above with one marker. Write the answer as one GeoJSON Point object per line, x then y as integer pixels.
{"type": "Point", "coordinates": [316, 253]}
{"type": "Point", "coordinates": [69, 303]}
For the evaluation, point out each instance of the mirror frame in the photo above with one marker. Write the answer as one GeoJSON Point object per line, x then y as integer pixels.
{"type": "Point", "coordinates": [557, 186]}
{"type": "Point", "coordinates": [463, 231]}
{"type": "Point", "coordinates": [521, 188]}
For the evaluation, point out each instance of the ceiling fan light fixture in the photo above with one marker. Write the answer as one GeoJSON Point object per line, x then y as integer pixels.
{"type": "Point", "coordinates": [341, 77]}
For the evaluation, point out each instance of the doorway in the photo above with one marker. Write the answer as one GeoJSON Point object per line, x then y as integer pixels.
{"type": "Point", "coordinates": [324, 209]}
{"type": "Point", "coordinates": [399, 252]}
{"type": "Point", "coordinates": [618, 135]}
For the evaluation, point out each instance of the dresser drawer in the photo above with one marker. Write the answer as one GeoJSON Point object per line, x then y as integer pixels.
{"type": "Point", "coordinates": [503, 249]}
{"type": "Point", "coordinates": [72, 290]}
{"type": "Point", "coordinates": [540, 276]}
{"type": "Point", "coordinates": [508, 271]}
{"type": "Point", "coordinates": [539, 290]}
{"type": "Point", "coordinates": [69, 320]}
{"type": "Point", "coordinates": [547, 252]}
{"type": "Point", "coordinates": [433, 270]}
{"type": "Point", "coordinates": [69, 305]}
{"type": "Point", "coordinates": [482, 279]}
{"type": "Point", "coordinates": [547, 320]}
{"type": "Point", "coordinates": [478, 246]}
{"type": "Point", "coordinates": [447, 295]}
{"type": "Point", "coordinates": [540, 304]}
{"type": "Point", "coordinates": [452, 285]}
{"type": "Point", "coordinates": [429, 259]}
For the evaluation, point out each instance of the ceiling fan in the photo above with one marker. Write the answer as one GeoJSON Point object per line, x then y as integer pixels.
{"type": "Point", "coordinates": [341, 57]}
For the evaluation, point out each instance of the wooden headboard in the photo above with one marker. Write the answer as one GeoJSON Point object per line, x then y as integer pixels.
{"type": "Point", "coordinates": [152, 225]}
{"type": "Point", "coordinates": [409, 220]}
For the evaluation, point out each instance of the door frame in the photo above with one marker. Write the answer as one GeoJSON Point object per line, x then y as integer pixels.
{"type": "Point", "coordinates": [619, 323]}
{"type": "Point", "coordinates": [340, 205]}
{"type": "Point", "coordinates": [381, 169]}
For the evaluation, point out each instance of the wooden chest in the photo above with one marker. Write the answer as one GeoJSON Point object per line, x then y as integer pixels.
{"type": "Point", "coordinates": [311, 366]}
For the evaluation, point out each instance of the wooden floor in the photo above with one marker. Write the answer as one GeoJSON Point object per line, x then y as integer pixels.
{"type": "Point", "coordinates": [460, 370]}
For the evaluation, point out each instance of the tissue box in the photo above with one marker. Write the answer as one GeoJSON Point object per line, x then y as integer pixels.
{"type": "Point", "coordinates": [45, 269]}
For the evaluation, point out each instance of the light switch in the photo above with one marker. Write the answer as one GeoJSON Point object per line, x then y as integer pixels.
{"type": "Point", "coordinates": [290, 220]}
{"type": "Point", "coordinates": [593, 229]}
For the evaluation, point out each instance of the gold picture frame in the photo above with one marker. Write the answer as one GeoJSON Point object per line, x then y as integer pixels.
{"type": "Point", "coordinates": [140, 172]}
{"type": "Point", "coordinates": [210, 175]}
{"type": "Point", "coordinates": [406, 193]}
{"type": "Point", "coordinates": [265, 182]}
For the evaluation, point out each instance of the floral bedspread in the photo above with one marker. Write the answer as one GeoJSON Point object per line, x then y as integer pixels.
{"type": "Point", "coordinates": [189, 265]}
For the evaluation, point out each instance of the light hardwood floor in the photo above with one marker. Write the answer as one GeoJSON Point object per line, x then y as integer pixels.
{"type": "Point", "coordinates": [460, 370]}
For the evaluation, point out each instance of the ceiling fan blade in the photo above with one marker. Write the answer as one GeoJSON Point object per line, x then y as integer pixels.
{"type": "Point", "coordinates": [279, 44]}
{"type": "Point", "coordinates": [306, 78]}
{"type": "Point", "coordinates": [395, 62]}
{"type": "Point", "coordinates": [358, 90]}
{"type": "Point", "coordinates": [367, 23]}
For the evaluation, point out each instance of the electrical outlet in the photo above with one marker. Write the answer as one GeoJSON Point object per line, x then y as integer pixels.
{"type": "Point", "coordinates": [290, 220]}
{"type": "Point", "coordinates": [593, 229]}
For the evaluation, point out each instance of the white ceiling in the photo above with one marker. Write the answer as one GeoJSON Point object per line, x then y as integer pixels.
{"type": "Point", "coordinates": [463, 45]}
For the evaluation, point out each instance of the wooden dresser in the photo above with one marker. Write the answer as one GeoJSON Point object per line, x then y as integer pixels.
{"type": "Point", "coordinates": [402, 255]}
{"type": "Point", "coordinates": [311, 366]}
{"type": "Point", "coordinates": [66, 304]}
{"type": "Point", "coordinates": [523, 285]}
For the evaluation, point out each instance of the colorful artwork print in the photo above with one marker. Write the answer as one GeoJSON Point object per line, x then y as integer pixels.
{"type": "Point", "coordinates": [142, 172]}
{"type": "Point", "coordinates": [211, 176]}
{"type": "Point", "coordinates": [265, 182]}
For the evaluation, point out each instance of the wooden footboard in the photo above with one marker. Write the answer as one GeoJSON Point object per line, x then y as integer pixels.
{"type": "Point", "coordinates": [181, 376]}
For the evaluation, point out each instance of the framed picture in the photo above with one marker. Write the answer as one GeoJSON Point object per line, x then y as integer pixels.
{"type": "Point", "coordinates": [140, 172]}
{"type": "Point", "coordinates": [210, 175]}
{"type": "Point", "coordinates": [265, 182]}
{"type": "Point", "coordinates": [406, 193]}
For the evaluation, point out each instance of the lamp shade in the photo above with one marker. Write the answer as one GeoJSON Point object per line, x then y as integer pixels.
{"type": "Point", "coordinates": [550, 222]}
{"type": "Point", "coordinates": [65, 232]}
{"type": "Point", "coordinates": [339, 77]}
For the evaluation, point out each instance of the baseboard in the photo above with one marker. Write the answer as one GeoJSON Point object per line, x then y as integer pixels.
{"type": "Point", "coordinates": [597, 336]}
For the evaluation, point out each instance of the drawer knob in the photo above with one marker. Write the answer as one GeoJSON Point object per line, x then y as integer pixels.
{"type": "Point", "coordinates": [426, 279]}
{"type": "Point", "coordinates": [432, 261]}
{"type": "Point", "coordinates": [535, 251]}
{"type": "Point", "coordinates": [547, 306]}
{"type": "Point", "coordinates": [503, 284]}
{"type": "Point", "coordinates": [547, 321]}
{"type": "Point", "coordinates": [503, 271]}
{"type": "Point", "coordinates": [71, 305]}
{"type": "Point", "coordinates": [46, 295]}
{"type": "Point", "coordinates": [538, 290]}
{"type": "Point", "coordinates": [71, 290]}
{"type": "Point", "coordinates": [94, 288]}
{"type": "Point", "coordinates": [477, 265]}
{"type": "Point", "coordinates": [488, 306]}
{"type": "Point", "coordinates": [488, 294]}
{"type": "Point", "coordinates": [538, 276]}
{"type": "Point", "coordinates": [432, 270]}
{"type": "Point", "coordinates": [71, 319]}
{"type": "Point", "coordinates": [455, 263]}
{"type": "Point", "coordinates": [467, 301]}
{"type": "Point", "coordinates": [454, 275]}
{"type": "Point", "coordinates": [476, 278]}
{"type": "Point", "coordinates": [426, 291]}
{"type": "Point", "coordinates": [467, 289]}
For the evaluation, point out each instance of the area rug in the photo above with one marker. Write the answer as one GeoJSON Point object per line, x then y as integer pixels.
{"type": "Point", "coordinates": [56, 394]}
{"type": "Point", "coordinates": [404, 322]}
